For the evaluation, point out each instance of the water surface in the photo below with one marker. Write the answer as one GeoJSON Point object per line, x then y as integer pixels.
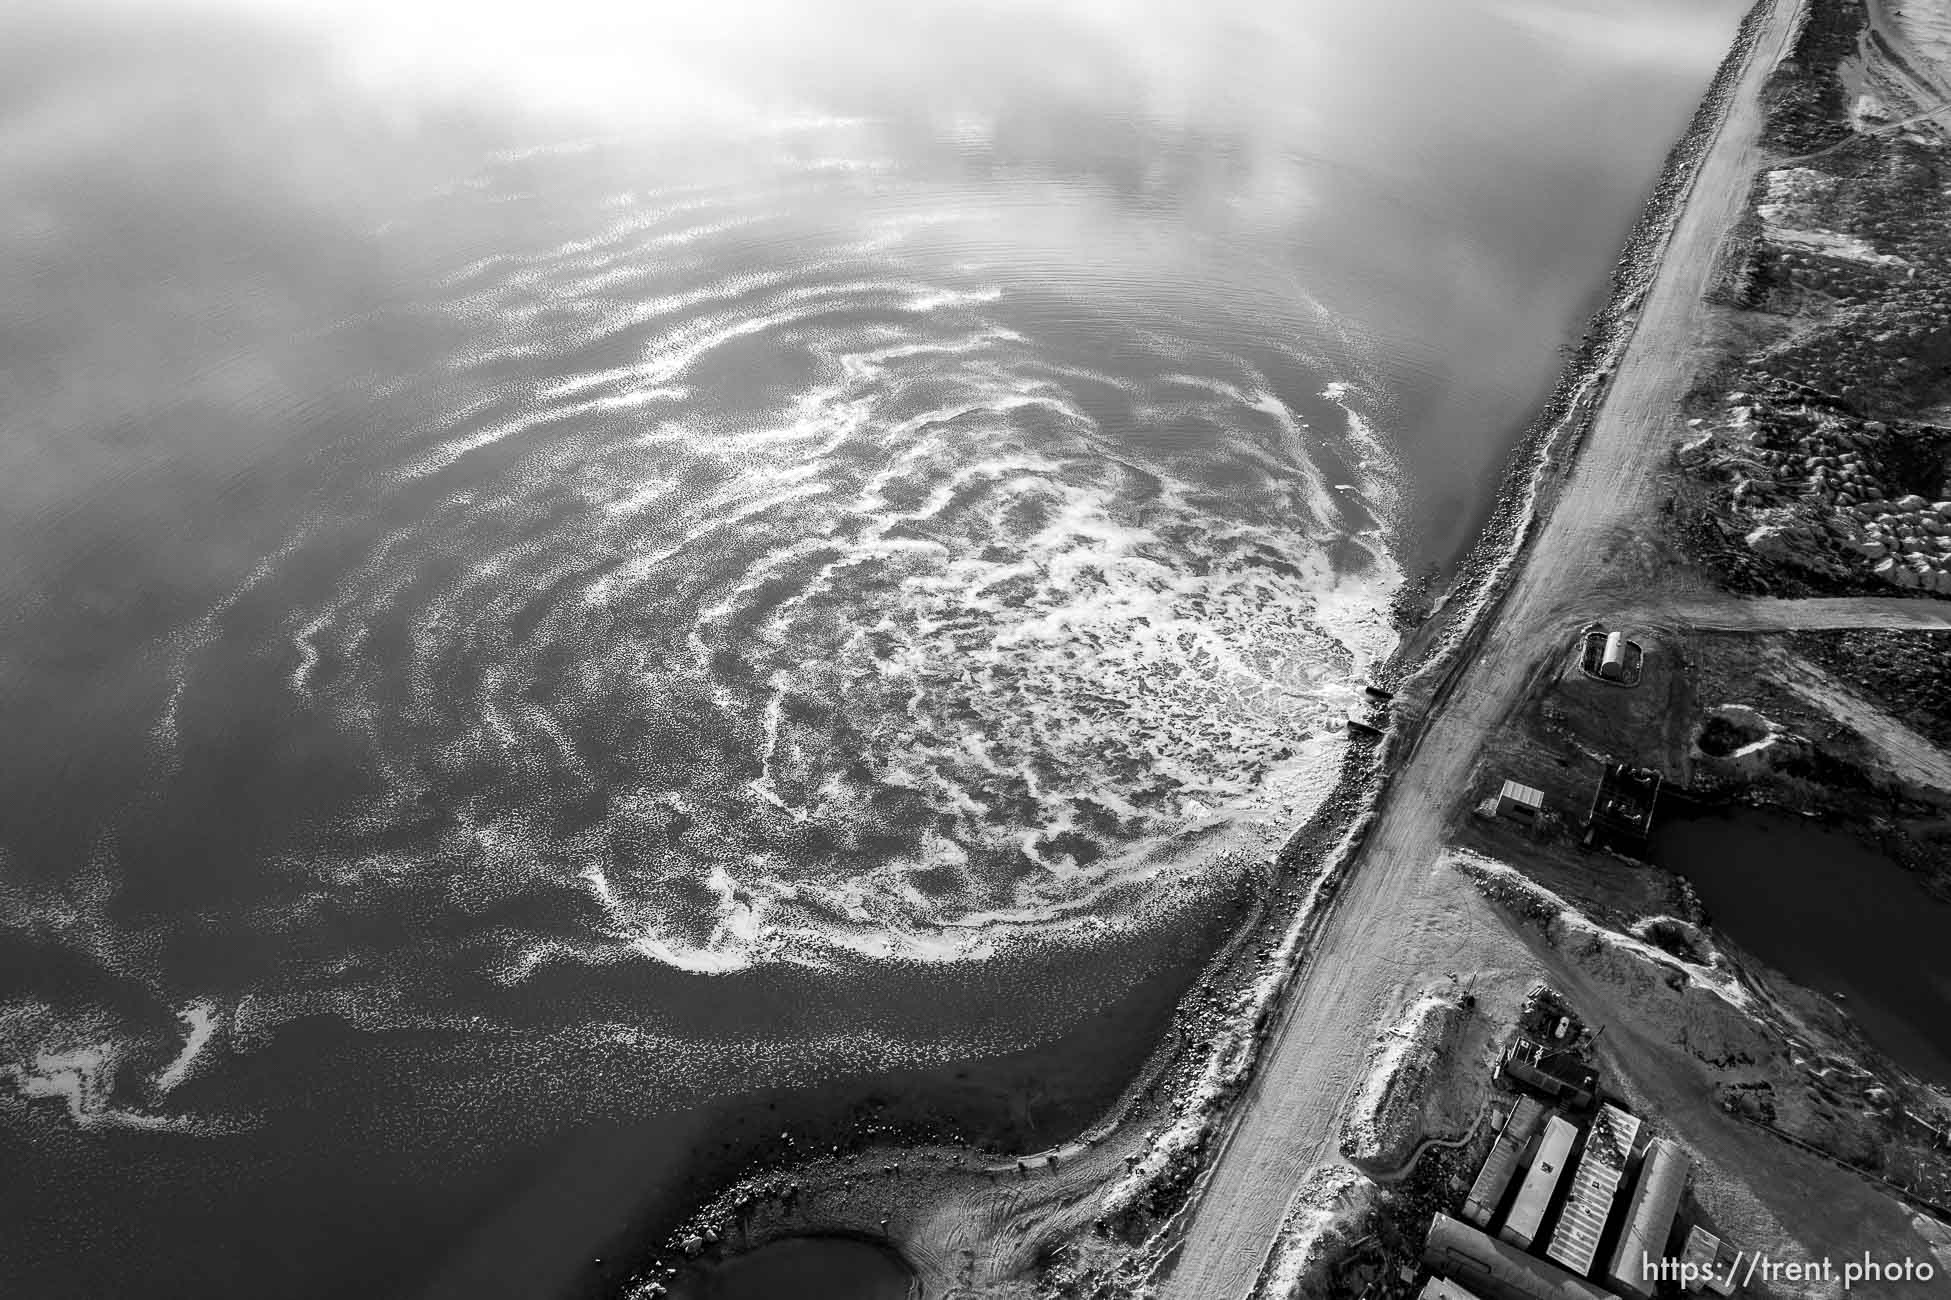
{"type": "Point", "coordinates": [587, 587]}
{"type": "Point", "coordinates": [834, 1267]}
{"type": "Point", "coordinates": [1831, 913]}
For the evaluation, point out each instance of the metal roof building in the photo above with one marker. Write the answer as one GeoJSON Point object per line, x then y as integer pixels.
{"type": "Point", "coordinates": [1704, 1252]}
{"type": "Point", "coordinates": [1649, 1216]}
{"type": "Point", "coordinates": [1500, 1166]}
{"type": "Point", "coordinates": [1534, 1194]}
{"type": "Point", "coordinates": [1496, 1271]}
{"type": "Point", "coordinates": [1520, 802]}
{"type": "Point", "coordinates": [1595, 1183]}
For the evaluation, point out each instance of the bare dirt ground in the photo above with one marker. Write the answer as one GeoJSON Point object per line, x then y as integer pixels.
{"type": "Point", "coordinates": [1898, 747]}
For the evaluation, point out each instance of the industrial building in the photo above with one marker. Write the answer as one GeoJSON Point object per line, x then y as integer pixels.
{"type": "Point", "coordinates": [1570, 1217]}
{"type": "Point", "coordinates": [1494, 1179]}
{"type": "Point", "coordinates": [1650, 1210]}
{"type": "Point", "coordinates": [1595, 1184]}
{"type": "Point", "coordinates": [1534, 1195]}
{"type": "Point", "coordinates": [1623, 804]}
{"type": "Point", "coordinates": [1496, 1271]}
{"type": "Point", "coordinates": [1555, 1073]}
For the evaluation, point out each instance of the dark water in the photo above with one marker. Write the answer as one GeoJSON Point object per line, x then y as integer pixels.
{"type": "Point", "coordinates": [583, 590]}
{"type": "Point", "coordinates": [1834, 915]}
{"type": "Point", "coordinates": [805, 1266]}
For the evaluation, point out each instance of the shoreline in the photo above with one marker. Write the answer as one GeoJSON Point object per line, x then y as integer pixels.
{"type": "Point", "coordinates": [1425, 668]}
{"type": "Point", "coordinates": [1250, 1178]}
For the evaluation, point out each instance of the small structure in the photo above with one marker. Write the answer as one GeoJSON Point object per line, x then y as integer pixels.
{"type": "Point", "coordinates": [1547, 1016]}
{"type": "Point", "coordinates": [1708, 1267]}
{"type": "Point", "coordinates": [1595, 1185]}
{"type": "Point", "coordinates": [1534, 1195]}
{"type": "Point", "coordinates": [1495, 1271]}
{"type": "Point", "coordinates": [1441, 1288]}
{"type": "Point", "coordinates": [1556, 1074]}
{"type": "Point", "coordinates": [1500, 1166]}
{"type": "Point", "coordinates": [1520, 803]}
{"type": "Point", "coordinates": [1612, 660]}
{"type": "Point", "coordinates": [1611, 657]}
{"type": "Point", "coordinates": [1623, 804]}
{"type": "Point", "coordinates": [1649, 1216]}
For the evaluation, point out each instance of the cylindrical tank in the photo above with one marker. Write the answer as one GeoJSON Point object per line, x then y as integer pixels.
{"type": "Point", "coordinates": [1612, 665]}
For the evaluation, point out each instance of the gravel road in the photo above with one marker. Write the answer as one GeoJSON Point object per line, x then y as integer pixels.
{"type": "Point", "coordinates": [1404, 920]}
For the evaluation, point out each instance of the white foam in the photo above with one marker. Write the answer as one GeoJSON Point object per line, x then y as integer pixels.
{"type": "Point", "coordinates": [1054, 645]}
{"type": "Point", "coordinates": [200, 1019]}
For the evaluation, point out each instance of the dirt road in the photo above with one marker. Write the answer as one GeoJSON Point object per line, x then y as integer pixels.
{"type": "Point", "coordinates": [1902, 28]}
{"type": "Point", "coordinates": [1896, 746]}
{"type": "Point", "coordinates": [1404, 920]}
{"type": "Point", "coordinates": [1814, 614]}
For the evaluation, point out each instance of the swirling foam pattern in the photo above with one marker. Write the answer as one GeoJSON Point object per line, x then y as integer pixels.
{"type": "Point", "coordinates": [770, 587]}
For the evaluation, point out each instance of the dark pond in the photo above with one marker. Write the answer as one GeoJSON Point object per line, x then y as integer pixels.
{"type": "Point", "coordinates": [1832, 913]}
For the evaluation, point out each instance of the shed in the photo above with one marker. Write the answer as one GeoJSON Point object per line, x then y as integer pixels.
{"type": "Point", "coordinates": [1708, 1268]}
{"type": "Point", "coordinates": [1521, 803]}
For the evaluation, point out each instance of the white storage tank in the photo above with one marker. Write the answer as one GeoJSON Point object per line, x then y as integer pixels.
{"type": "Point", "coordinates": [1612, 664]}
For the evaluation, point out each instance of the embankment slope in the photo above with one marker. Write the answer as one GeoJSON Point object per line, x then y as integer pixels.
{"type": "Point", "coordinates": [1404, 918]}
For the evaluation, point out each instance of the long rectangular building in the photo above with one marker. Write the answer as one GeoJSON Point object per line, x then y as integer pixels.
{"type": "Point", "coordinates": [1495, 1271]}
{"type": "Point", "coordinates": [1649, 1216]}
{"type": "Point", "coordinates": [1500, 1166]}
{"type": "Point", "coordinates": [1595, 1184]}
{"type": "Point", "coordinates": [1534, 1194]}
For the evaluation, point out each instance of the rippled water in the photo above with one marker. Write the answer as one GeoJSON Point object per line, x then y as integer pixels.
{"type": "Point", "coordinates": [578, 593]}
{"type": "Point", "coordinates": [775, 583]}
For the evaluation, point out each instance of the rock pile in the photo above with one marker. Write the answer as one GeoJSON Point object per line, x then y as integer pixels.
{"type": "Point", "coordinates": [1891, 355]}
{"type": "Point", "coordinates": [1829, 493]}
{"type": "Point", "coordinates": [1907, 541]}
